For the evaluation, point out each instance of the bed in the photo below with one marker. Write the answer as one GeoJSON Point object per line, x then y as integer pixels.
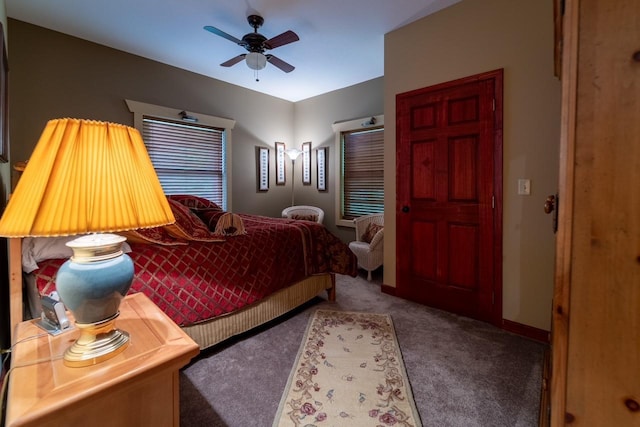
{"type": "Point", "coordinates": [213, 281]}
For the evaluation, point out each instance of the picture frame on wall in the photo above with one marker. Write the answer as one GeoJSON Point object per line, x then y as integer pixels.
{"type": "Point", "coordinates": [4, 100]}
{"type": "Point", "coordinates": [321, 168]}
{"type": "Point", "coordinates": [281, 173]}
{"type": "Point", "coordinates": [263, 168]}
{"type": "Point", "coordinates": [306, 163]}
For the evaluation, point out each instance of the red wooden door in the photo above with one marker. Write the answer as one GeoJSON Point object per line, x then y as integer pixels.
{"type": "Point", "coordinates": [449, 185]}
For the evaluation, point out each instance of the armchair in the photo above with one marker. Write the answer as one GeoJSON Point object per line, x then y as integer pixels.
{"type": "Point", "coordinates": [369, 244]}
{"type": "Point", "coordinates": [311, 213]}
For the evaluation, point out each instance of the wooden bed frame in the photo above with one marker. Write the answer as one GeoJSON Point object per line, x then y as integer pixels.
{"type": "Point", "coordinates": [209, 332]}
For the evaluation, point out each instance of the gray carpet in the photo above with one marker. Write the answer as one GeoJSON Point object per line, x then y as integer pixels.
{"type": "Point", "coordinates": [462, 372]}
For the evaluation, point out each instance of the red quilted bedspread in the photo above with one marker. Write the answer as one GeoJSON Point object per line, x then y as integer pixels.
{"type": "Point", "coordinates": [201, 280]}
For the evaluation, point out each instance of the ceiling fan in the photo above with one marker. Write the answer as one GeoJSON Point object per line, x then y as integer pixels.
{"type": "Point", "coordinates": [256, 44]}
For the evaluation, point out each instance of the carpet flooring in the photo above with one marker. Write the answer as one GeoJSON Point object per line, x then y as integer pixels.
{"type": "Point", "coordinates": [463, 373]}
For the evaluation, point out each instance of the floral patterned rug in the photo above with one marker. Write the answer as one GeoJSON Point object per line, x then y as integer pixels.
{"type": "Point", "coordinates": [348, 372]}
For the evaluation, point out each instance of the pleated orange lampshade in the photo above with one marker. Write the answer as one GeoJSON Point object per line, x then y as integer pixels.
{"type": "Point", "coordinates": [86, 176]}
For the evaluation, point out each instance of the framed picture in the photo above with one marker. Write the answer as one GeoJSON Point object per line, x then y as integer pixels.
{"type": "Point", "coordinates": [263, 168]}
{"type": "Point", "coordinates": [4, 100]}
{"type": "Point", "coordinates": [321, 159]}
{"type": "Point", "coordinates": [306, 163]}
{"type": "Point", "coordinates": [281, 173]}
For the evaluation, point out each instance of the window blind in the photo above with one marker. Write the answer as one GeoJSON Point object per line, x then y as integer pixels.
{"type": "Point", "coordinates": [188, 158]}
{"type": "Point", "coordinates": [362, 172]}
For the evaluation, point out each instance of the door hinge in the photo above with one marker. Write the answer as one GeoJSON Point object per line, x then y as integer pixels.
{"type": "Point", "coordinates": [493, 106]}
{"type": "Point", "coordinates": [493, 297]}
{"type": "Point", "coordinates": [493, 202]}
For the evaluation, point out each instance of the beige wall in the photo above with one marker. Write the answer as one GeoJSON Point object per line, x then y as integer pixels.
{"type": "Point", "coordinates": [472, 37]}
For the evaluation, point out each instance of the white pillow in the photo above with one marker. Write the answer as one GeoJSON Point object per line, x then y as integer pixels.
{"type": "Point", "coordinates": [36, 249]}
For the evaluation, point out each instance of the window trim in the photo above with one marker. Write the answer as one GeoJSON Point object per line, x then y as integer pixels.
{"type": "Point", "coordinates": [338, 128]}
{"type": "Point", "coordinates": [141, 109]}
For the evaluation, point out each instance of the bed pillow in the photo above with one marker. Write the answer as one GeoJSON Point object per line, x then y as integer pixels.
{"type": "Point", "coordinates": [157, 235]}
{"type": "Point", "coordinates": [208, 211]}
{"type": "Point", "coordinates": [209, 217]}
{"type": "Point", "coordinates": [371, 230]}
{"type": "Point", "coordinates": [37, 249]}
{"type": "Point", "coordinates": [188, 226]}
{"type": "Point", "coordinates": [194, 202]}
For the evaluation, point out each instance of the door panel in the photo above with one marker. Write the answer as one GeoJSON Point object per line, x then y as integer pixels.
{"type": "Point", "coordinates": [426, 246]}
{"type": "Point", "coordinates": [463, 247]}
{"type": "Point", "coordinates": [449, 236]}
{"type": "Point", "coordinates": [463, 158]}
{"type": "Point", "coordinates": [423, 171]}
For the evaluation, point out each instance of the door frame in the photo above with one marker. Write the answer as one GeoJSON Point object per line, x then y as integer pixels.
{"type": "Point", "coordinates": [498, 78]}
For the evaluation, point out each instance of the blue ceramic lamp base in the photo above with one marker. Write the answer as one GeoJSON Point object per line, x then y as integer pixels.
{"type": "Point", "coordinates": [91, 285]}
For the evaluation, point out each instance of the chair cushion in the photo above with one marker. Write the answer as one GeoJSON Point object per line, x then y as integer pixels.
{"type": "Point", "coordinates": [308, 217]}
{"type": "Point", "coordinates": [371, 231]}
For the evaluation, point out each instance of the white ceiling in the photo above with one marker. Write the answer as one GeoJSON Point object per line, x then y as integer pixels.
{"type": "Point", "coordinates": [341, 41]}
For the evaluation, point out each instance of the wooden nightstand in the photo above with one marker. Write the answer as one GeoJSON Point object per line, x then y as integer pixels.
{"type": "Point", "coordinates": [138, 387]}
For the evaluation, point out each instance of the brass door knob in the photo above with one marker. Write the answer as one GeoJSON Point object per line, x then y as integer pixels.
{"type": "Point", "coordinates": [550, 204]}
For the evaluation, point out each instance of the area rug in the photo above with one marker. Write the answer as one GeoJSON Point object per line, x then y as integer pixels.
{"type": "Point", "coordinates": [348, 372]}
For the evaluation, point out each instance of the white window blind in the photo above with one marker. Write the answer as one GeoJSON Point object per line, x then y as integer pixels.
{"type": "Point", "coordinates": [362, 172]}
{"type": "Point", "coordinates": [188, 158]}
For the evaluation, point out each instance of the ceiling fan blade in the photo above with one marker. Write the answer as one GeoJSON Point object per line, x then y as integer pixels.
{"type": "Point", "coordinates": [234, 61]}
{"type": "Point", "coordinates": [282, 39]}
{"type": "Point", "coordinates": [221, 33]}
{"type": "Point", "coordinates": [287, 68]}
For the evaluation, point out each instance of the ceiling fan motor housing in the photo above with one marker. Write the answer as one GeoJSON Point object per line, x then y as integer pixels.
{"type": "Point", "coordinates": [254, 42]}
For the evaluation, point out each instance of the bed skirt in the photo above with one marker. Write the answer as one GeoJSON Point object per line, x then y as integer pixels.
{"type": "Point", "coordinates": [214, 331]}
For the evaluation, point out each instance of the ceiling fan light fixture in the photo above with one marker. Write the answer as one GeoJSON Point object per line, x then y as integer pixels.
{"type": "Point", "coordinates": [256, 60]}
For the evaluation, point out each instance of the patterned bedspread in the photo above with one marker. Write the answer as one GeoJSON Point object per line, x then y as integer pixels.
{"type": "Point", "coordinates": [200, 280]}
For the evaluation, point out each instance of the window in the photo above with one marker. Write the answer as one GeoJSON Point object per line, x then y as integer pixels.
{"type": "Point", "coordinates": [189, 151]}
{"type": "Point", "coordinates": [188, 158]}
{"type": "Point", "coordinates": [360, 191]}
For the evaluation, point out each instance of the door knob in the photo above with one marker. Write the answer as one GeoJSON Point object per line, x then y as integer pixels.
{"type": "Point", "coordinates": [550, 204]}
{"type": "Point", "coordinates": [405, 209]}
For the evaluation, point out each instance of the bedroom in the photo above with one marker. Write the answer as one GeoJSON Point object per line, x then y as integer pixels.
{"type": "Point", "coordinates": [59, 65]}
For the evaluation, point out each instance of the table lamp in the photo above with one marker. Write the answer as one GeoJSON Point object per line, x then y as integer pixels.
{"type": "Point", "coordinates": [87, 177]}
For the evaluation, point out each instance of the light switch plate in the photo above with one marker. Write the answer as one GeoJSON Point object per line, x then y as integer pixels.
{"type": "Point", "coordinates": [524, 187]}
